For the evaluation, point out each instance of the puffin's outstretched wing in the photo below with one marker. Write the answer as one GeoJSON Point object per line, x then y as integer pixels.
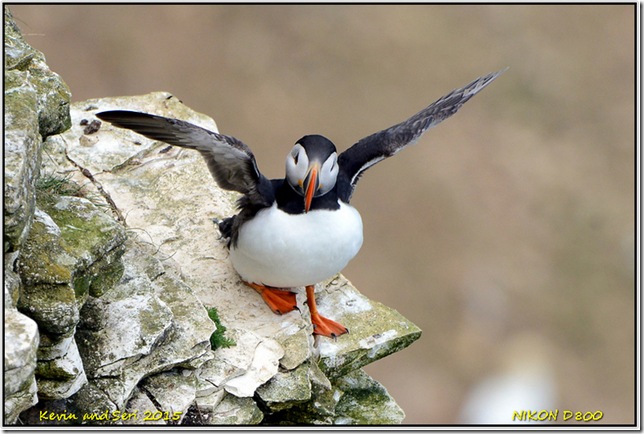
{"type": "Point", "coordinates": [230, 161]}
{"type": "Point", "coordinates": [376, 147]}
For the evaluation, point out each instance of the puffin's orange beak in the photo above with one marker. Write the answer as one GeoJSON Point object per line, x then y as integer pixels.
{"type": "Point", "coordinates": [311, 184]}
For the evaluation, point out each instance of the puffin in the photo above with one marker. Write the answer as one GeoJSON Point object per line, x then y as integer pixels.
{"type": "Point", "coordinates": [299, 230]}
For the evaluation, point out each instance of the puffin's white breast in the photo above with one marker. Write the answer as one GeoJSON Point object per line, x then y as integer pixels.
{"type": "Point", "coordinates": [289, 250]}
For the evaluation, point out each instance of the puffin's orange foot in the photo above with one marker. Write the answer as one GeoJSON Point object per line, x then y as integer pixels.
{"type": "Point", "coordinates": [322, 326]}
{"type": "Point", "coordinates": [327, 327]}
{"type": "Point", "coordinates": [279, 300]}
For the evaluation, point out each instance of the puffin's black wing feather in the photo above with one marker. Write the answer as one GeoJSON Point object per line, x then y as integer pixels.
{"type": "Point", "coordinates": [230, 161]}
{"type": "Point", "coordinates": [376, 147]}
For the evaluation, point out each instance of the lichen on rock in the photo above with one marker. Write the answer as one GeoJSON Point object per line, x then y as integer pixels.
{"type": "Point", "coordinates": [36, 105]}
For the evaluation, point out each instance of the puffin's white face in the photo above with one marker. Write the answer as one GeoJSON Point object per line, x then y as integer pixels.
{"type": "Point", "coordinates": [310, 178]}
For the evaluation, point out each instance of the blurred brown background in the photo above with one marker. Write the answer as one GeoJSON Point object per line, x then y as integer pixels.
{"type": "Point", "coordinates": [506, 233]}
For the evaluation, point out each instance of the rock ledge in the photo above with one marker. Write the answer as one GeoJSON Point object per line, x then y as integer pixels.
{"type": "Point", "coordinates": [111, 261]}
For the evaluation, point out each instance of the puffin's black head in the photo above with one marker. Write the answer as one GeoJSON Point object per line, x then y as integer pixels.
{"type": "Point", "coordinates": [312, 168]}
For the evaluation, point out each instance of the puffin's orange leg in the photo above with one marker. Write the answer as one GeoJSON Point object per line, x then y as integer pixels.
{"type": "Point", "coordinates": [279, 300]}
{"type": "Point", "coordinates": [321, 325]}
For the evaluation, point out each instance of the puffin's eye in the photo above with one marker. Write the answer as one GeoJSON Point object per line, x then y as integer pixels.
{"type": "Point", "coordinates": [295, 154]}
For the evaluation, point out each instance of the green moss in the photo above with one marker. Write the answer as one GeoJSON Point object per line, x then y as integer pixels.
{"type": "Point", "coordinates": [81, 283]}
{"type": "Point", "coordinates": [52, 370]}
{"type": "Point", "coordinates": [365, 402]}
{"type": "Point", "coordinates": [217, 339]}
{"type": "Point", "coordinates": [83, 227]}
{"type": "Point", "coordinates": [106, 272]}
{"type": "Point", "coordinates": [43, 259]}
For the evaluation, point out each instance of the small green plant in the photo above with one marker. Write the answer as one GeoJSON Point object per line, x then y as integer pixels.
{"type": "Point", "coordinates": [58, 185]}
{"type": "Point", "coordinates": [50, 186]}
{"type": "Point", "coordinates": [217, 339]}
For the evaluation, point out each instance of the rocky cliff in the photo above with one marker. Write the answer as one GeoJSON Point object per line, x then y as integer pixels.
{"type": "Point", "coordinates": [120, 304]}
